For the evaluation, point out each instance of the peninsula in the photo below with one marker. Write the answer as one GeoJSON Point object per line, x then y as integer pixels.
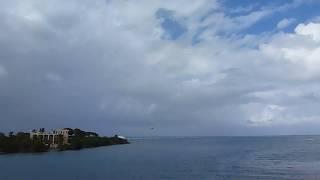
{"type": "Point", "coordinates": [62, 139]}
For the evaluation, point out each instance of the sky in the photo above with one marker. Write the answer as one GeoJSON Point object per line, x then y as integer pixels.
{"type": "Point", "coordinates": [161, 67]}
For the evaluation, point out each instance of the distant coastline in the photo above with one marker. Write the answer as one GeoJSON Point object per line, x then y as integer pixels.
{"type": "Point", "coordinates": [60, 140]}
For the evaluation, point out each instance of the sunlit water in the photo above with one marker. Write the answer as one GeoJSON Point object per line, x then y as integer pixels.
{"type": "Point", "coordinates": [285, 157]}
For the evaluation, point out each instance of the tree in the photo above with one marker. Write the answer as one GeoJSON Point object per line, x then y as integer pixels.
{"type": "Point", "coordinates": [79, 133]}
{"type": "Point", "coordinates": [76, 143]}
{"type": "Point", "coordinates": [22, 134]}
{"type": "Point", "coordinates": [70, 131]}
{"type": "Point", "coordinates": [2, 139]}
{"type": "Point", "coordinates": [2, 135]}
{"type": "Point", "coordinates": [38, 146]}
{"type": "Point", "coordinates": [11, 134]}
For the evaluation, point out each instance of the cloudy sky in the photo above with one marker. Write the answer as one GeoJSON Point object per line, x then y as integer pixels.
{"type": "Point", "coordinates": [145, 68]}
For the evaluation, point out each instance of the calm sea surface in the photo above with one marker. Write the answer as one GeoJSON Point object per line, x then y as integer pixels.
{"type": "Point", "coordinates": [284, 157]}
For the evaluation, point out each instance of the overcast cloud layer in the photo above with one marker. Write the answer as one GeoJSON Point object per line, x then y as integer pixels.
{"type": "Point", "coordinates": [197, 68]}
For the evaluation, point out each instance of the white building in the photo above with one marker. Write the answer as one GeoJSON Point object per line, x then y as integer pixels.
{"type": "Point", "coordinates": [52, 138]}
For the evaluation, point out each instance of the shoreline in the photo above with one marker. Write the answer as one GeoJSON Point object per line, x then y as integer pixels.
{"type": "Point", "coordinates": [57, 140]}
{"type": "Point", "coordinates": [53, 150]}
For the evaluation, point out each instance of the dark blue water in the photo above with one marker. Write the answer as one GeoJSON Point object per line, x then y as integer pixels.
{"type": "Point", "coordinates": [285, 157]}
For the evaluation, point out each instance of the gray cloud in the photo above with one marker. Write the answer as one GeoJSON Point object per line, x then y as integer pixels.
{"type": "Point", "coordinates": [103, 65]}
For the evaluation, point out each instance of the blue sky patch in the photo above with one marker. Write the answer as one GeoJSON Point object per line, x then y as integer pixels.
{"type": "Point", "coordinates": [173, 29]}
{"type": "Point", "coordinates": [303, 13]}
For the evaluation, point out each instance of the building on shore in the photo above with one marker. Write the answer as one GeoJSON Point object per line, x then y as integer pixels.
{"type": "Point", "coordinates": [53, 138]}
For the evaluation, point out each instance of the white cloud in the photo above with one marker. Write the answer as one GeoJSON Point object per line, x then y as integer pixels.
{"type": "Point", "coordinates": [312, 30]}
{"type": "Point", "coordinates": [297, 53]}
{"type": "Point", "coordinates": [284, 23]}
{"type": "Point", "coordinates": [261, 115]}
{"type": "Point", "coordinates": [270, 115]}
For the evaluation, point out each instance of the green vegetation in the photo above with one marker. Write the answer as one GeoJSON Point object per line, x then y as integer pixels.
{"type": "Point", "coordinates": [77, 139]}
{"type": "Point", "coordinates": [20, 142]}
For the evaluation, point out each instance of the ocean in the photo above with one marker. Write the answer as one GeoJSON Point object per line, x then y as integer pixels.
{"type": "Point", "coordinates": [182, 158]}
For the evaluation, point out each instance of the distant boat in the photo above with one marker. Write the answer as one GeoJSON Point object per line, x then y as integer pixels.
{"type": "Point", "coordinates": [309, 139]}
